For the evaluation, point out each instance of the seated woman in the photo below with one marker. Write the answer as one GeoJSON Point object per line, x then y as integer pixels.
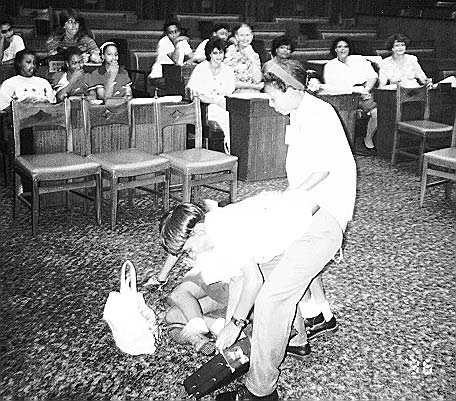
{"type": "Point", "coordinates": [401, 67]}
{"type": "Point", "coordinates": [10, 43]}
{"type": "Point", "coordinates": [211, 81]}
{"type": "Point", "coordinates": [71, 82]}
{"type": "Point", "coordinates": [352, 74]}
{"type": "Point", "coordinates": [173, 48]}
{"type": "Point", "coordinates": [72, 31]}
{"type": "Point", "coordinates": [218, 31]}
{"type": "Point", "coordinates": [25, 86]}
{"type": "Point", "coordinates": [281, 49]}
{"type": "Point", "coordinates": [245, 61]}
{"type": "Point", "coordinates": [110, 80]}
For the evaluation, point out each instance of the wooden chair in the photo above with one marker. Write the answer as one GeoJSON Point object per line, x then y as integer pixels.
{"type": "Point", "coordinates": [196, 166]}
{"type": "Point", "coordinates": [72, 171]}
{"type": "Point", "coordinates": [440, 163]}
{"type": "Point", "coordinates": [420, 128]}
{"type": "Point", "coordinates": [112, 145]}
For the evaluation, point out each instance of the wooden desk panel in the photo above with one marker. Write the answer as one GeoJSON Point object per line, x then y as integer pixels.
{"type": "Point", "coordinates": [257, 138]}
{"type": "Point", "coordinates": [177, 77]}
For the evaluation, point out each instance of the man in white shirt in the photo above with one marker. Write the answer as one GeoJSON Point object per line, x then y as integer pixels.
{"type": "Point", "coordinates": [10, 43]}
{"type": "Point", "coordinates": [221, 31]}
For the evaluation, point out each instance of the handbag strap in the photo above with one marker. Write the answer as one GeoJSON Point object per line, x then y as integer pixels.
{"type": "Point", "coordinates": [128, 285]}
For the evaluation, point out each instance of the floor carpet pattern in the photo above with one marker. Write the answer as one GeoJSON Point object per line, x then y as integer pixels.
{"type": "Point", "coordinates": [393, 296]}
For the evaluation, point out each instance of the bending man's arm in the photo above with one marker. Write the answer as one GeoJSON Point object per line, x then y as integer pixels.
{"type": "Point", "coordinates": [252, 282]}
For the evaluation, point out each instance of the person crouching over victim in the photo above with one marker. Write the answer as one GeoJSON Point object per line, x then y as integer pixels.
{"type": "Point", "coordinates": [233, 250]}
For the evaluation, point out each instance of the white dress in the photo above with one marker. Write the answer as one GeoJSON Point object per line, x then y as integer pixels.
{"type": "Point", "coordinates": [204, 83]}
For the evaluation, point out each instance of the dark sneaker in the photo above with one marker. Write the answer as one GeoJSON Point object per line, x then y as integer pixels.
{"type": "Point", "coordinates": [323, 328]}
{"type": "Point", "coordinates": [299, 351]}
{"type": "Point", "coordinates": [243, 394]}
{"type": "Point", "coordinates": [310, 322]}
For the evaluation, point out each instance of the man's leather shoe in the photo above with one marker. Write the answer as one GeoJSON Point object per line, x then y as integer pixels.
{"type": "Point", "coordinates": [299, 351]}
{"type": "Point", "coordinates": [243, 394]}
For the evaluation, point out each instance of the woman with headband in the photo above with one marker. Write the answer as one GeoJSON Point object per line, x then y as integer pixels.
{"type": "Point", "coordinates": [110, 80]}
{"type": "Point", "coordinates": [320, 161]}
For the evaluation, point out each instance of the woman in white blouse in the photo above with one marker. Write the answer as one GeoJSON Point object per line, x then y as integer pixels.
{"type": "Point", "coordinates": [353, 74]}
{"type": "Point", "coordinates": [401, 67]}
{"type": "Point", "coordinates": [211, 81]}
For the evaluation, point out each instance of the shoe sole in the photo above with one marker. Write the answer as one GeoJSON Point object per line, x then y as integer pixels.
{"type": "Point", "coordinates": [329, 332]}
{"type": "Point", "coordinates": [300, 357]}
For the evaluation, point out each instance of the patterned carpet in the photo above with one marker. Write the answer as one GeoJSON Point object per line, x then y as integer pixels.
{"type": "Point", "coordinates": [393, 297]}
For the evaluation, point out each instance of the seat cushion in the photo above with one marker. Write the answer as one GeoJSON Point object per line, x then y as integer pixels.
{"type": "Point", "coordinates": [424, 126]}
{"type": "Point", "coordinates": [443, 157]}
{"type": "Point", "coordinates": [129, 162]}
{"type": "Point", "coordinates": [57, 166]}
{"type": "Point", "coordinates": [200, 161]}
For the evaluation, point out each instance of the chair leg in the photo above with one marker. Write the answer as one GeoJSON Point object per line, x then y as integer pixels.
{"type": "Point", "coordinates": [448, 188]}
{"type": "Point", "coordinates": [186, 189]}
{"type": "Point", "coordinates": [166, 190]}
{"type": "Point", "coordinates": [16, 188]}
{"type": "Point", "coordinates": [395, 143]}
{"type": "Point", "coordinates": [131, 192]}
{"type": "Point", "coordinates": [98, 196]}
{"type": "Point", "coordinates": [233, 184]}
{"type": "Point", "coordinates": [35, 206]}
{"type": "Point", "coordinates": [423, 180]}
{"type": "Point", "coordinates": [114, 202]}
{"type": "Point", "coordinates": [421, 155]}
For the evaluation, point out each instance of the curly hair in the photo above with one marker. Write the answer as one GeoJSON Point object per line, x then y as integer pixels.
{"type": "Point", "coordinates": [214, 43]}
{"type": "Point", "coordinates": [396, 37]}
{"type": "Point", "coordinates": [336, 41]}
{"type": "Point", "coordinates": [177, 225]}
{"type": "Point", "coordinates": [280, 41]}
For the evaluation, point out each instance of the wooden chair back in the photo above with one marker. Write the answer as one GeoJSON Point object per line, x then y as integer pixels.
{"type": "Point", "coordinates": [178, 114]}
{"type": "Point", "coordinates": [144, 125]}
{"type": "Point", "coordinates": [108, 127]}
{"type": "Point", "coordinates": [412, 96]}
{"type": "Point", "coordinates": [46, 117]}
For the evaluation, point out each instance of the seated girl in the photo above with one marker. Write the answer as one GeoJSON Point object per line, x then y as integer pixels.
{"type": "Point", "coordinates": [71, 82]}
{"type": "Point", "coordinates": [25, 86]}
{"type": "Point", "coordinates": [10, 43]}
{"type": "Point", "coordinates": [110, 80]}
{"type": "Point", "coordinates": [211, 81]}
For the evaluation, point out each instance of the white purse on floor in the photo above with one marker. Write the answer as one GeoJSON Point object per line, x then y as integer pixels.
{"type": "Point", "coordinates": [133, 324]}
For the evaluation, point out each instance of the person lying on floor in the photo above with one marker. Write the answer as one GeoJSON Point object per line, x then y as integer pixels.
{"type": "Point", "coordinates": [233, 249]}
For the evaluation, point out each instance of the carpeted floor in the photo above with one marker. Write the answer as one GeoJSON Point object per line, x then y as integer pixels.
{"type": "Point", "coordinates": [393, 297]}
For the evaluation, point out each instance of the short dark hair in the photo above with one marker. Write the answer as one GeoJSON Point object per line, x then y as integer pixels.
{"type": "Point", "coordinates": [294, 68]}
{"type": "Point", "coordinates": [396, 37]}
{"type": "Point", "coordinates": [167, 24]}
{"type": "Point", "coordinates": [20, 56]}
{"type": "Point", "coordinates": [280, 41]}
{"type": "Point", "coordinates": [6, 21]}
{"type": "Point", "coordinates": [334, 43]}
{"type": "Point", "coordinates": [217, 27]}
{"type": "Point", "coordinates": [177, 225]}
{"type": "Point", "coordinates": [71, 51]}
{"type": "Point", "coordinates": [214, 43]}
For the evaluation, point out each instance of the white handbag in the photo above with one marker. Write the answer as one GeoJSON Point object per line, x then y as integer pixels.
{"type": "Point", "coordinates": [133, 324]}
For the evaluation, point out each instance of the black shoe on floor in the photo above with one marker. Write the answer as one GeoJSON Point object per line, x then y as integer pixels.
{"type": "Point", "coordinates": [299, 351]}
{"type": "Point", "coordinates": [323, 328]}
{"type": "Point", "coordinates": [311, 322]}
{"type": "Point", "coordinates": [242, 394]}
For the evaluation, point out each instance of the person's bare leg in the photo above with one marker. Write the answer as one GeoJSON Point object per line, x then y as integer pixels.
{"type": "Point", "coordinates": [371, 128]}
